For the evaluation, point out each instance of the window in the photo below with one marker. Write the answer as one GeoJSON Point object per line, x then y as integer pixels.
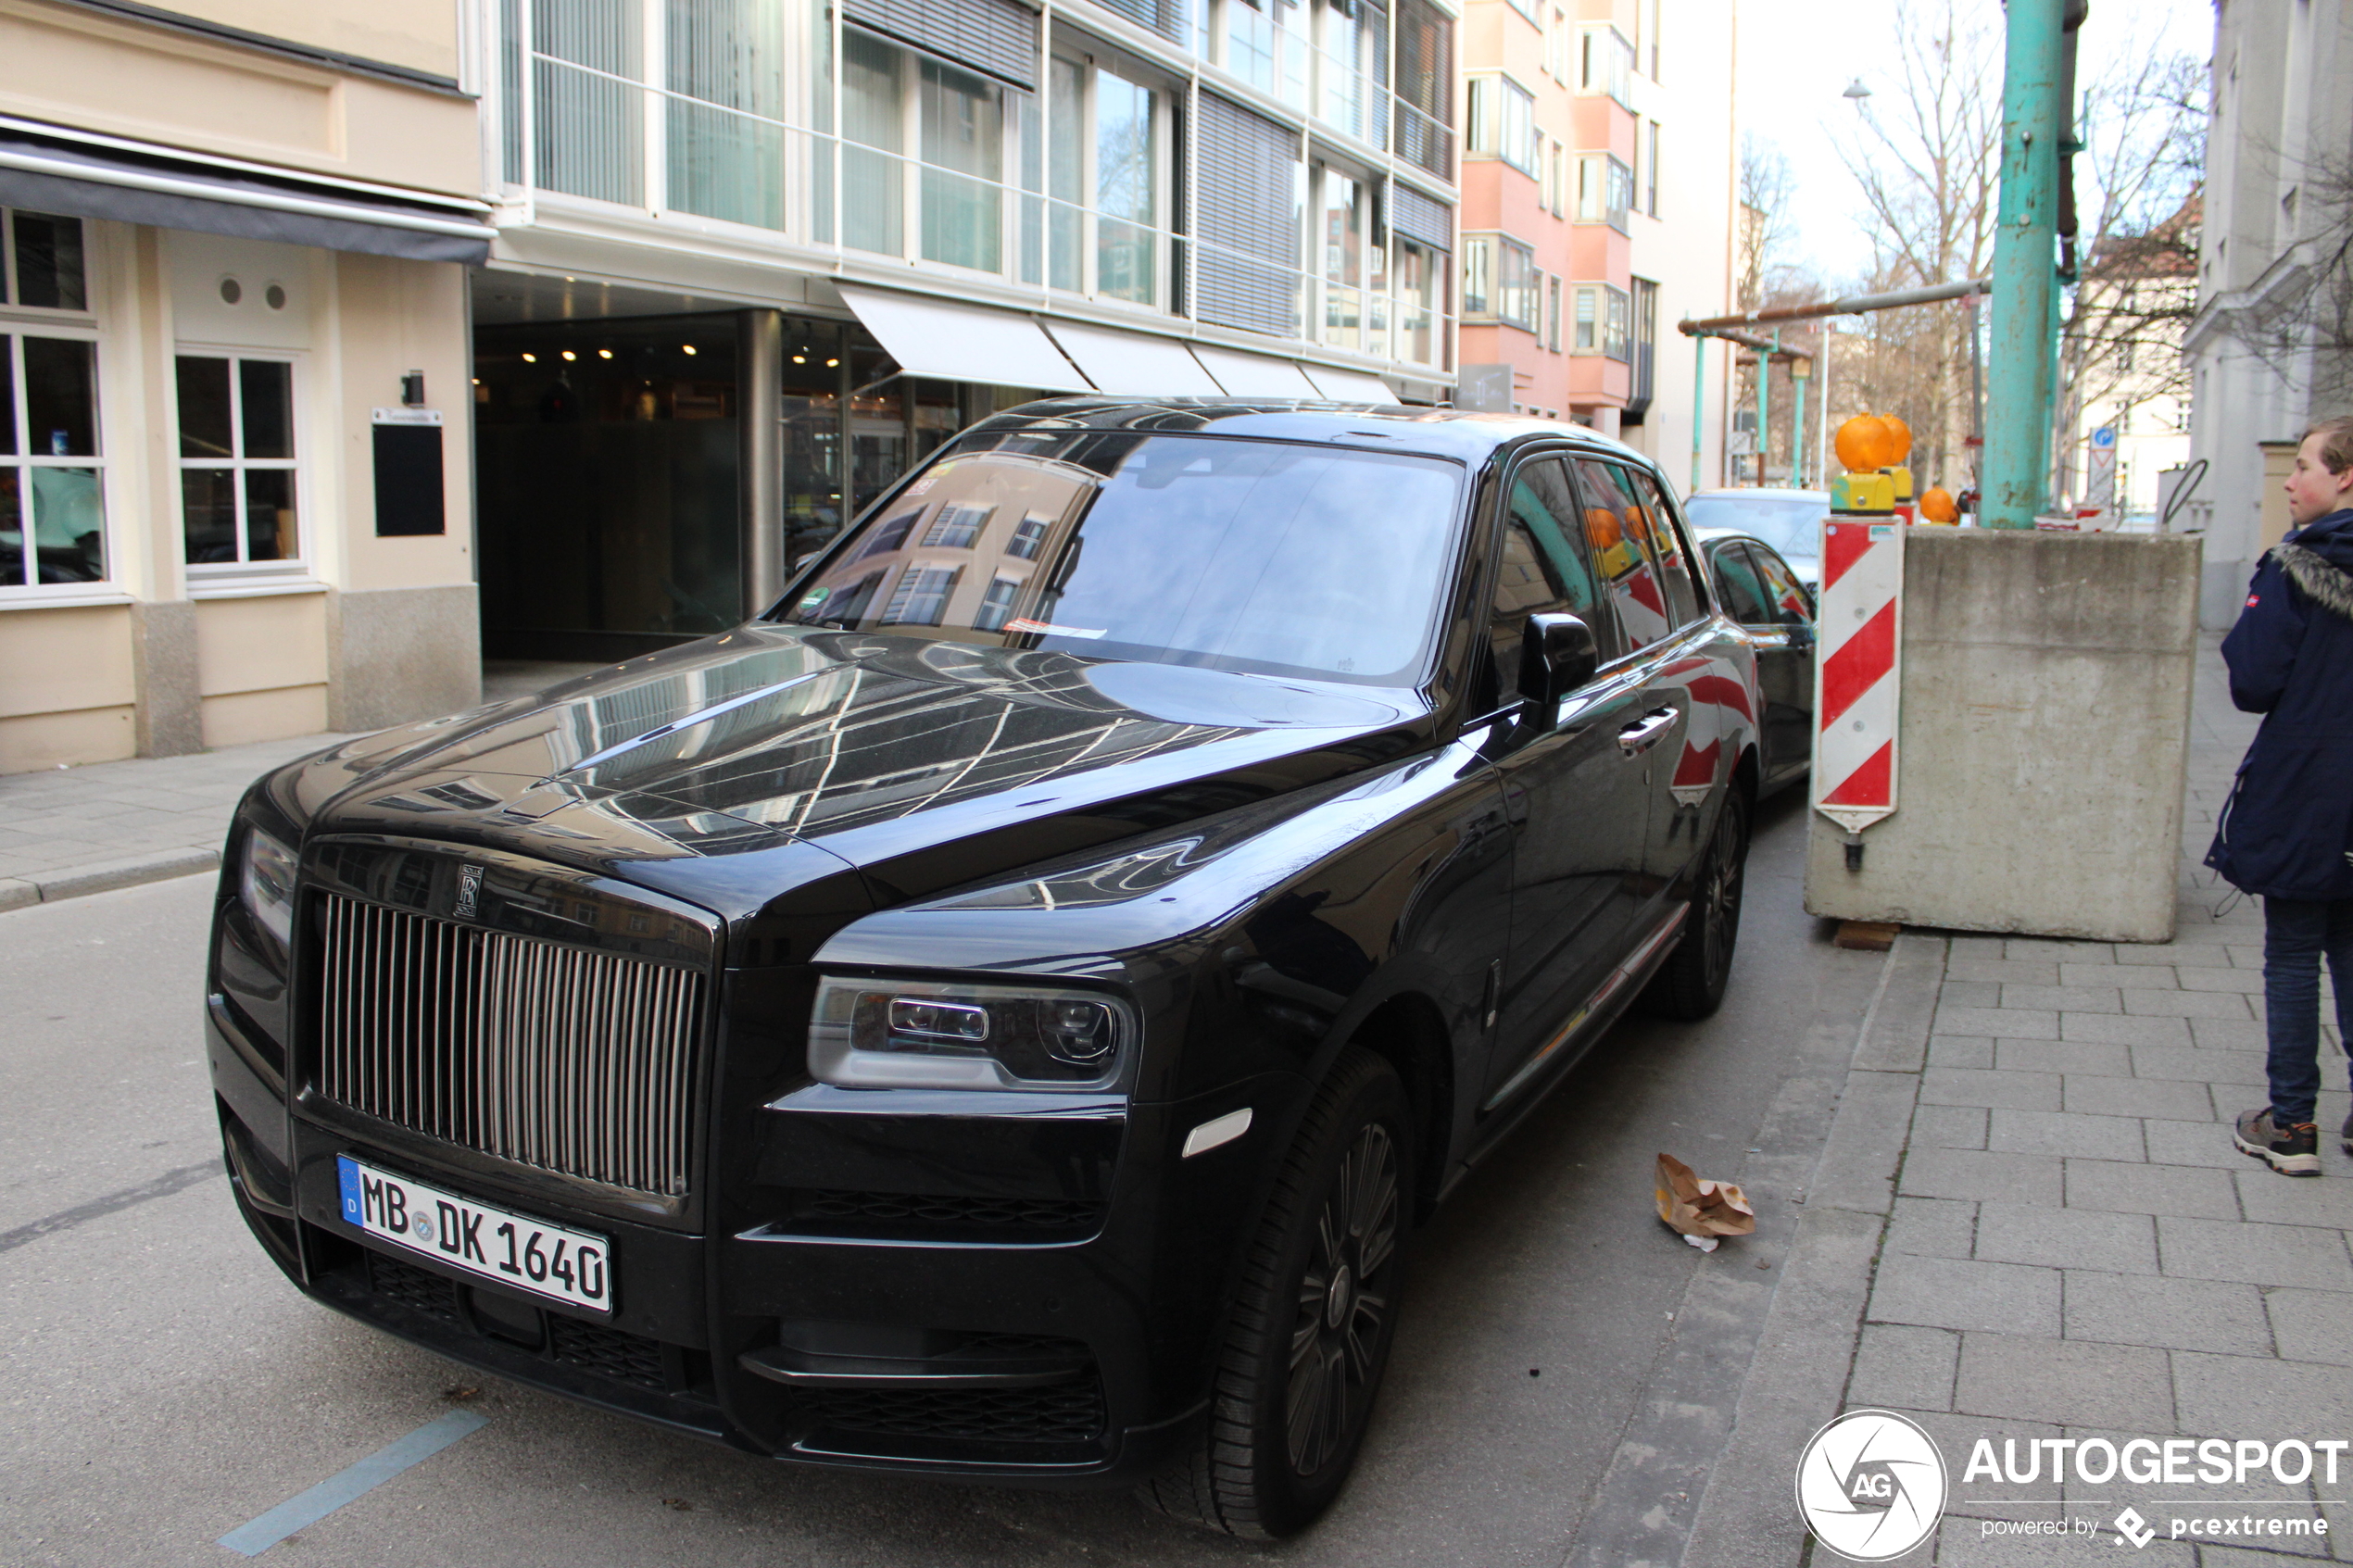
{"type": "Point", "coordinates": [1650, 170]}
{"type": "Point", "coordinates": [1649, 29]}
{"type": "Point", "coordinates": [41, 262]}
{"type": "Point", "coordinates": [1552, 314]}
{"type": "Point", "coordinates": [958, 525]}
{"type": "Point", "coordinates": [1547, 568]}
{"type": "Point", "coordinates": [1353, 268]}
{"type": "Point", "coordinates": [1503, 121]}
{"type": "Point", "coordinates": [1616, 320]}
{"type": "Point", "coordinates": [1526, 9]}
{"type": "Point", "coordinates": [1555, 177]}
{"type": "Point", "coordinates": [921, 598]}
{"type": "Point", "coordinates": [1499, 279]}
{"type": "Point", "coordinates": [1666, 545]}
{"type": "Point", "coordinates": [1421, 301]}
{"type": "Point", "coordinates": [1106, 182]}
{"type": "Point", "coordinates": [997, 605]}
{"type": "Point", "coordinates": [1478, 276]}
{"type": "Point", "coordinates": [1356, 67]}
{"type": "Point", "coordinates": [1587, 338]}
{"type": "Point", "coordinates": [1606, 64]}
{"type": "Point", "coordinates": [1605, 190]}
{"type": "Point", "coordinates": [237, 460]}
{"type": "Point", "coordinates": [1738, 588]}
{"type": "Point", "coordinates": [1556, 42]}
{"type": "Point", "coordinates": [1029, 536]}
{"type": "Point", "coordinates": [1425, 52]}
{"type": "Point", "coordinates": [51, 500]}
{"type": "Point", "coordinates": [892, 536]}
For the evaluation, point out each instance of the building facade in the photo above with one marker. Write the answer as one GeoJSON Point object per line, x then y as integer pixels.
{"type": "Point", "coordinates": [235, 496]}
{"type": "Point", "coordinates": [755, 258]}
{"type": "Point", "coordinates": [2271, 347]}
{"type": "Point", "coordinates": [1598, 175]}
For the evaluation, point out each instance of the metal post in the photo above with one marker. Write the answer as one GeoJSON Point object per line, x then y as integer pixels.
{"type": "Point", "coordinates": [1823, 437]}
{"type": "Point", "coordinates": [1699, 400]}
{"type": "Point", "coordinates": [1764, 406]}
{"type": "Point", "coordinates": [2025, 264]}
{"type": "Point", "coordinates": [759, 435]}
{"type": "Point", "coordinates": [1797, 427]}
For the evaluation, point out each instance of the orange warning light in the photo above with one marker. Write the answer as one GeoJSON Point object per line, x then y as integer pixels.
{"type": "Point", "coordinates": [1937, 505]}
{"type": "Point", "coordinates": [1902, 434]}
{"type": "Point", "coordinates": [1866, 445]}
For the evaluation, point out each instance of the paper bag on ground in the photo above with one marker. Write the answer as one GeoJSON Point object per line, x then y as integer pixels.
{"type": "Point", "coordinates": [1703, 1211]}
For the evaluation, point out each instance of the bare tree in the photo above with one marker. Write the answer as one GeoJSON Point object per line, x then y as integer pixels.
{"type": "Point", "coordinates": [1767, 278]}
{"type": "Point", "coordinates": [1926, 157]}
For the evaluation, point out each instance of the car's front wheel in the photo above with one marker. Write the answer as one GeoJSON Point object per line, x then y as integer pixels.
{"type": "Point", "coordinates": [1309, 1337]}
{"type": "Point", "coordinates": [1690, 984]}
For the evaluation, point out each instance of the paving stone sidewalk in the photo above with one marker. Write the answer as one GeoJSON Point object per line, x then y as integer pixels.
{"type": "Point", "coordinates": [2030, 1219]}
{"type": "Point", "coordinates": [70, 831]}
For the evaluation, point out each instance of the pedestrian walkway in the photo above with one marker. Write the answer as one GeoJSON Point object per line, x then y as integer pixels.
{"type": "Point", "coordinates": [2030, 1213]}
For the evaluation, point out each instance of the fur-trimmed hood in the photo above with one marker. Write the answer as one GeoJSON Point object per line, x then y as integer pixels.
{"type": "Point", "coordinates": [2318, 558]}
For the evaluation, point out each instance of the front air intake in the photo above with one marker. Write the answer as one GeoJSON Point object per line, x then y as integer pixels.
{"type": "Point", "coordinates": [550, 1056]}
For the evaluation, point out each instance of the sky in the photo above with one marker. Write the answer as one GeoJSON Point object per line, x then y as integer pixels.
{"type": "Point", "coordinates": [1796, 58]}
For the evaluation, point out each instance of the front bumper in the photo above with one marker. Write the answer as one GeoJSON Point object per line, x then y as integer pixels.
{"type": "Point", "coordinates": [1018, 1340]}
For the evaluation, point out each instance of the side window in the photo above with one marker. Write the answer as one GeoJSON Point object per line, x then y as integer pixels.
{"type": "Point", "coordinates": [1615, 530]}
{"type": "Point", "coordinates": [1788, 600]}
{"type": "Point", "coordinates": [1545, 570]}
{"type": "Point", "coordinates": [1674, 559]}
{"type": "Point", "coordinates": [1738, 588]}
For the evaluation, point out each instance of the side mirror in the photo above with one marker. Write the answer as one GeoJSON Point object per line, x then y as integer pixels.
{"type": "Point", "coordinates": [1556, 655]}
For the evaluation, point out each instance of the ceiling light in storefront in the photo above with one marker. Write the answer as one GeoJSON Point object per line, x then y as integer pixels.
{"type": "Point", "coordinates": [530, 358]}
{"type": "Point", "coordinates": [691, 348]}
{"type": "Point", "coordinates": [832, 363]}
{"type": "Point", "coordinates": [801, 358]}
{"type": "Point", "coordinates": [604, 354]}
{"type": "Point", "coordinates": [569, 355]}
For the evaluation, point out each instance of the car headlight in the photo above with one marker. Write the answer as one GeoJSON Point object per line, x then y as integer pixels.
{"type": "Point", "coordinates": [949, 1034]}
{"type": "Point", "coordinates": [266, 884]}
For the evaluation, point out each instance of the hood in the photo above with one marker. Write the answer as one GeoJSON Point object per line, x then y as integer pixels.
{"type": "Point", "coordinates": [925, 764]}
{"type": "Point", "coordinates": [2330, 537]}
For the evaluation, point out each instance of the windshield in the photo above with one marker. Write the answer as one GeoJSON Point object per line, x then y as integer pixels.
{"type": "Point", "coordinates": [1790, 525]}
{"type": "Point", "coordinates": [1275, 558]}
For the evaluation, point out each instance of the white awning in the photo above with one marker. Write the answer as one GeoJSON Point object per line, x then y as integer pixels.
{"type": "Point", "coordinates": [1133, 364]}
{"type": "Point", "coordinates": [957, 342]}
{"type": "Point", "coordinates": [1349, 386]}
{"type": "Point", "coordinates": [1254, 375]}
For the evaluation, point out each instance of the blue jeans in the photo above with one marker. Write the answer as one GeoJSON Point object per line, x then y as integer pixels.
{"type": "Point", "coordinates": [2296, 932]}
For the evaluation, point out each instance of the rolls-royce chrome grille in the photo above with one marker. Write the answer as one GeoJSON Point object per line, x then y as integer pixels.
{"type": "Point", "coordinates": [547, 1055]}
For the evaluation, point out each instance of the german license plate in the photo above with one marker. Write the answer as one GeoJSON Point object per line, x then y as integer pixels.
{"type": "Point", "coordinates": [573, 1267]}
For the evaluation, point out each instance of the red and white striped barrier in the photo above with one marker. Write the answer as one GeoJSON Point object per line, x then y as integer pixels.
{"type": "Point", "coordinates": [1857, 669]}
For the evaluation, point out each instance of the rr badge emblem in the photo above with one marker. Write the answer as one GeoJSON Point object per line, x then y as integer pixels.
{"type": "Point", "coordinates": [469, 888]}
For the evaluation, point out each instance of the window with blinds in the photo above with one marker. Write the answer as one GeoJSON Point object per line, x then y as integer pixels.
{"type": "Point", "coordinates": [1248, 273]}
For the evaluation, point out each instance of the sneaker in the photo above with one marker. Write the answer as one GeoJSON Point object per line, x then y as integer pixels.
{"type": "Point", "coordinates": [2292, 1151]}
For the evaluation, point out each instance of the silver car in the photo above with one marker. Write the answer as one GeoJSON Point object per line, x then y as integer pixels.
{"type": "Point", "coordinates": [1790, 521]}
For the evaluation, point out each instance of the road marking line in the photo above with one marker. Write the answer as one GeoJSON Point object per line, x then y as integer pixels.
{"type": "Point", "coordinates": [259, 1536]}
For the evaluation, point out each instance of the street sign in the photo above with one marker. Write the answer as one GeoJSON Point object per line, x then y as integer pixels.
{"type": "Point", "coordinates": [2101, 495]}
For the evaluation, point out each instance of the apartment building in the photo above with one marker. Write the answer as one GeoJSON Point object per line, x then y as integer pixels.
{"type": "Point", "coordinates": [1598, 171]}
{"type": "Point", "coordinates": [233, 430]}
{"type": "Point", "coordinates": [754, 258]}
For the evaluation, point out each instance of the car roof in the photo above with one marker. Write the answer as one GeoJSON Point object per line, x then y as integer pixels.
{"type": "Point", "coordinates": [1463, 437]}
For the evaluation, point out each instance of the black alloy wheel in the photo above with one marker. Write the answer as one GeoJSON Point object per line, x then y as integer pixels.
{"type": "Point", "coordinates": [1309, 1337]}
{"type": "Point", "coordinates": [1690, 984]}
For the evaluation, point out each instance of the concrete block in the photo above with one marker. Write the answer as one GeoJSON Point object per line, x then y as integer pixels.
{"type": "Point", "coordinates": [2172, 1098]}
{"type": "Point", "coordinates": [2010, 641]}
{"type": "Point", "coordinates": [1865, 1143]}
{"type": "Point", "coordinates": [2109, 975]}
{"type": "Point", "coordinates": [2248, 982]}
{"type": "Point", "coordinates": [2243, 1068]}
{"type": "Point", "coordinates": [2231, 1396]}
{"type": "Point", "coordinates": [2070, 1380]}
{"type": "Point", "coordinates": [16, 893]}
{"type": "Point", "coordinates": [2307, 1325]}
{"type": "Point", "coordinates": [2192, 1143]}
{"type": "Point", "coordinates": [2001, 1023]}
{"type": "Point", "coordinates": [2270, 1198]}
{"type": "Point", "coordinates": [2062, 1056]}
{"type": "Point", "coordinates": [2114, 1029]}
{"type": "Point", "coordinates": [2066, 1238]}
{"type": "Point", "coordinates": [2137, 1188]}
{"type": "Point", "coordinates": [2228, 1034]}
{"type": "Point", "coordinates": [1899, 1365]}
{"type": "Point", "coordinates": [1960, 1050]}
{"type": "Point", "coordinates": [396, 655]}
{"type": "Point", "coordinates": [1973, 1176]}
{"type": "Point", "coordinates": [1978, 948]}
{"type": "Point", "coordinates": [2226, 1005]}
{"type": "Point", "coordinates": [128, 872]}
{"type": "Point", "coordinates": [168, 716]}
{"type": "Point", "coordinates": [2037, 949]}
{"type": "Point", "coordinates": [1932, 1227]}
{"type": "Point", "coordinates": [1948, 1126]}
{"type": "Point", "coordinates": [1968, 993]}
{"type": "Point", "coordinates": [2064, 1133]}
{"type": "Point", "coordinates": [2171, 1314]}
{"type": "Point", "coordinates": [2135, 954]}
{"type": "Point", "coordinates": [1947, 1293]}
{"type": "Point", "coordinates": [2253, 1254]}
{"type": "Point", "coordinates": [2001, 972]}
{"type": "Point", "coordinates": [2023, 1091]}
{"type": "Point", "coordinates": [2063, 998]}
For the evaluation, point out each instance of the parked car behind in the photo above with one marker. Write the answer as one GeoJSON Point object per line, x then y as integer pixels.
{"type": "Point", "coordinates": [1790, 521]}
{"type": "Point", "coordinates": [1001, 1013]}
{"type": "Point", "coordinates": [1756, 588]}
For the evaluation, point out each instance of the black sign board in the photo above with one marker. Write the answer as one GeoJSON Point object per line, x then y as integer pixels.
{"type": "Point", "coordinates": [408, 476]}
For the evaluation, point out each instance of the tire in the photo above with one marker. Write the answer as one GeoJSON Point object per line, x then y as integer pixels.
{"type": "Point", "coordinates": [1690, 985]}
{"type": "Point", "coordinates": [1308, 1339]}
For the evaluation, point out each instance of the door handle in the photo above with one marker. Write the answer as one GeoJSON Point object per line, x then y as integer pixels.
{"type": "Point", "coordinates": [1646, 732]}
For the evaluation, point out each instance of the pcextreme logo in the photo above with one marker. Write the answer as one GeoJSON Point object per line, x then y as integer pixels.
{"type": "Point", "coordinates": [1871, 1486]}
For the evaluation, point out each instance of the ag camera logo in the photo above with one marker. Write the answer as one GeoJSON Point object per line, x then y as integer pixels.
{"type": "Point", "coordinates": [1871, 1486]}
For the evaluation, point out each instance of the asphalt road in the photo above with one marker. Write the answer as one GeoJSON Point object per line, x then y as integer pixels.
{"type": "Point", "coordinates": [161, 1384]}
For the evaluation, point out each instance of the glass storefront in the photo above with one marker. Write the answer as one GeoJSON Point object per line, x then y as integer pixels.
{"type": "Point", "coordinates": [609, 469]}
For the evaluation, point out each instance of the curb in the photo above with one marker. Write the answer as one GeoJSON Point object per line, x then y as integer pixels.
{"type": "Point", "coordinates": [73, 882]}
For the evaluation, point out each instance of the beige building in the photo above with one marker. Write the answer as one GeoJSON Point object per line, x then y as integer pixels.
{"type": "Point", "coordinates": [235, 425]}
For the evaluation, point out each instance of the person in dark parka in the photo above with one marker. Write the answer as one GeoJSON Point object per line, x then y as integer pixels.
{"type": "Point", "coordinates": [2285, 835]}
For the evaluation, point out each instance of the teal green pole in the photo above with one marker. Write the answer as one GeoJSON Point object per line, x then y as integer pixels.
{"type": "Point", "coordinates": [1764, 409]}
{"type": "Point", "coordinates": [2018, 414]}
{"type": "Point", "coordinates": [1797, 433]}
{"type": "Point", "coordinates": [1699, 399]}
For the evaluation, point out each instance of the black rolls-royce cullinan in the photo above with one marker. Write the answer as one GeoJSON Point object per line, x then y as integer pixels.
{"type": "Point", "coordinates": [1002, 1012]}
